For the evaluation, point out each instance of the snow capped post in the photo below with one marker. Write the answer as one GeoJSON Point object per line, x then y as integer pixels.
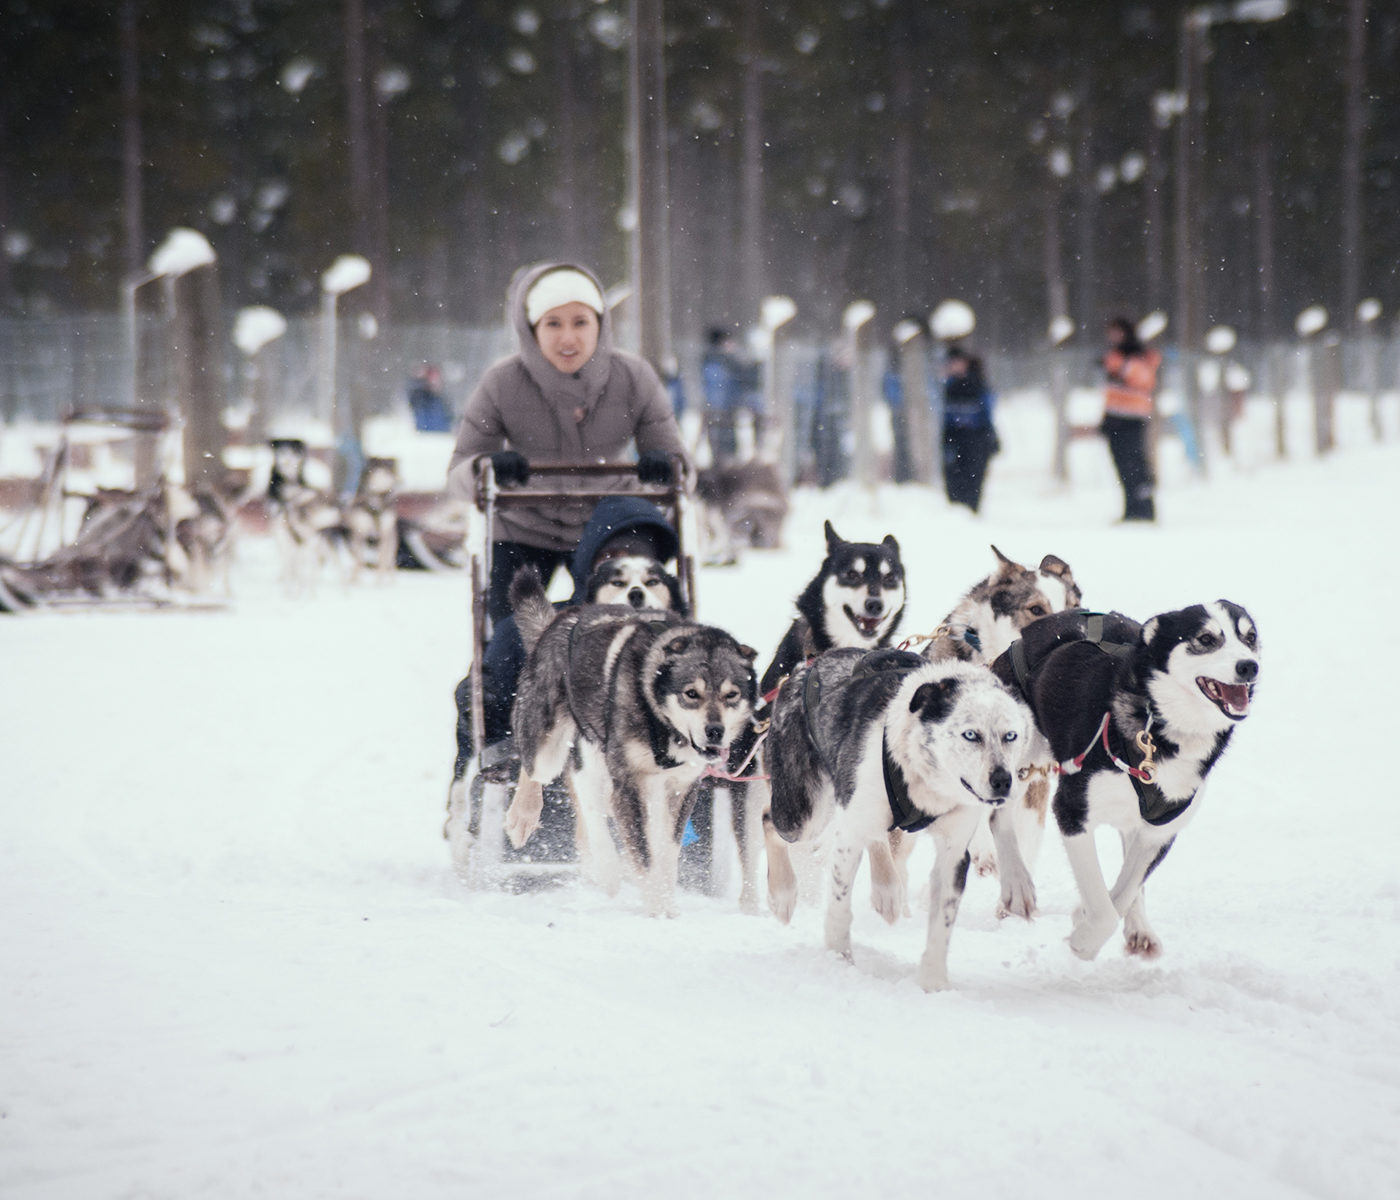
{"type": "Point", "coordinates": [1220, 340]}
{"type": "Point", "coordinates": [253, 329]}
{"type": "Point", "coordinates": [853, 320]}
{"type": "Point", "coordinates": [348, 272]}
{"type": "Point", "coordinates": [1320, 357]}
{"type": "Point", "coordinates": [911, 338]}
{"type": "Point", "coordinates": [773, 314]}
{"type": "Point", "coordinates": [186, 261]}
{"type": "Point", "coordinates": [1061, 329]}
{"type": "Point", "coordinates": [1368, 312]}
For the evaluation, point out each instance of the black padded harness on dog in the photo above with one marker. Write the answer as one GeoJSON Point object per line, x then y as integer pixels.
{"type": "Point", "coordinates": [1153, 805]}
{"type": "Point", "coordinates": [906, 815]}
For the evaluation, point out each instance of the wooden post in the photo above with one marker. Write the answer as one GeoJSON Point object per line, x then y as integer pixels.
{"type": "Point", "coordinates": [197, 375]}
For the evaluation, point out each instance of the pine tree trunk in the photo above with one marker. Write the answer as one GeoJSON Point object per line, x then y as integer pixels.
{"type": "Point", "coordinates": [1352, 152]}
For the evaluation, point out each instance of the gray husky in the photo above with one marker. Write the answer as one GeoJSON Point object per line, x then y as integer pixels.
{"type": "Point", "coordinates": [864, 743]}
{"type": "Point", "coordinates": [631, 706]}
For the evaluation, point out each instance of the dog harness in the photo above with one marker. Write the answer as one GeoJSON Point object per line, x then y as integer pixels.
{"type": "Point", "coordinates": [1153, 805]}
{"type": "Point", "coordinates": [906, 815]}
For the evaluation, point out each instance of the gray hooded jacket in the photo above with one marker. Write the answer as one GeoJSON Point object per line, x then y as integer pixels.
{"type": "Point", "coordinates": [524, 403]}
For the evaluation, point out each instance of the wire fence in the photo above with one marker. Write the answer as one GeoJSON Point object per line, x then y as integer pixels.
{"type": "Point", "coordinates": [50, 367]}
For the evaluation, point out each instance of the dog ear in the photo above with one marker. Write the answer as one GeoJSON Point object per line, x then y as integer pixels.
{"type": "Point", "coordinates": [678, 645]}
{"type": "Point", "coordinates": [1052, 565]}
{"type": "Point", "coordinates": [934, 701]}
{"type": "Point", "coordinates": [891, 545]}
{"type": "Point", "coordinates": [833, 539]}
{"type": "Point", "coordinates": [748, 653]}
{"type": "Point", "coordinates": [1001, 558]}
{"type": "Point", "coordinates": [1149, 630]}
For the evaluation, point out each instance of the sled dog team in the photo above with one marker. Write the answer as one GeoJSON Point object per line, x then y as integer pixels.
{"type": "Point", "coordinates": [1020, 703]}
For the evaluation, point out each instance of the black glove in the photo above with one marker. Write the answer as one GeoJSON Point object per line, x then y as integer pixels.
{"type": "Point", "coordinates": [510, 467]}
{"type": "Point", "coordinates": [655, 467]}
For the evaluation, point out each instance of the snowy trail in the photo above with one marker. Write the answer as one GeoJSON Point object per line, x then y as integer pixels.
{"type": "Point", "coordinates": [236, 963]}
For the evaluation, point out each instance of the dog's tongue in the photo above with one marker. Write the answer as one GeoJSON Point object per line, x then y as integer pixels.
{"type": "Point", "coordinates": [1236, 698]}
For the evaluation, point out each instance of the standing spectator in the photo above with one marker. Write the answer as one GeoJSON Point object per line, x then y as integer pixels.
{"type": "Point", "coordinates": [674, 384]}
{"type": "Point", "coordinates": [831, 414]}
{"type": "Point", "coordinates": [969, 436]}
{"type": "Point", "coordinates": [1131, 371]}
{"type": "Point", "coordinates": [720, 374]}
{"type": "Point", "coordinates": [430, 412]}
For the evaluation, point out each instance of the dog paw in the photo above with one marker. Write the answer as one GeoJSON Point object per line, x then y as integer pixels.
{"type": "Point", "coordinates": [1142, 942]}
{"type": "Point", "coordinates": [1015, 903]}
{"type": "Point", "coordinates": [933, 977]}
{"type": "Point", "coordinates": [523, 815]}
{"type": "Point", "coordinates": [985, 864]}
{"type": "Point", "coordinates": [838, 938]}
{"type": "Point", "coordinates": [783, 903]}
{"type": "Point", "coordinates": [889, 900]}
{"type": "Point", "coordinates": [1087, 937]}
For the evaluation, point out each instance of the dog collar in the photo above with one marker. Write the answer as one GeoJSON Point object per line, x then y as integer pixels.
{"type": "Point", "coordinates": [906, 815]}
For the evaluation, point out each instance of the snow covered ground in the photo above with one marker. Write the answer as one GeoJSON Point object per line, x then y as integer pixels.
{"type": "Point", "coordinates": [236, 964]}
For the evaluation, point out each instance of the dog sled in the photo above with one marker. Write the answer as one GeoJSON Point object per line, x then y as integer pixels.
{"type": "Point", "coordinates": [82, 547]}
{"type": "Point", "coordinates": [481, 852]}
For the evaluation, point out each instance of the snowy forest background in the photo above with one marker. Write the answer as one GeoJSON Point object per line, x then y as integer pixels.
{"type": "Point", "coordinates": [1021, 155]}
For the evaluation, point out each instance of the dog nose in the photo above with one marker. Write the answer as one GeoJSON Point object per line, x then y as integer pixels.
{"type": "Point", "coordinates": [714, 734]}
{"type": "Point", "coordinates": [636, 597]}
{"type": "Point", "coordinates": [1246, 670]}
{"type": "Point", "coordinates": [873, 607]}
{"type": "Point", "coordinates": [1000, 782]}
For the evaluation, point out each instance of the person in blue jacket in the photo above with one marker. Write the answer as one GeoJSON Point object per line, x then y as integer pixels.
{"type": "Point", "coordinates": [619, 525]}
{"type": "Point", "coordinates": [969, 435]}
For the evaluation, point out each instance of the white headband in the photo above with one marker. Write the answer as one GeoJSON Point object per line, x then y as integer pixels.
{"type": "Point", "coordinates": [564, 286]}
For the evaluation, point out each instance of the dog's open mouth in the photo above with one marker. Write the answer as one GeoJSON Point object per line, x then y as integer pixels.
{"type": "Point", "coordinates": [993, 801]}
{"type": "Point", "coordinates": [713, 751]}
{"type": "Point", "coordinates": [1230, 698]}
{"type": "Point", "coordinates": [868, 626]}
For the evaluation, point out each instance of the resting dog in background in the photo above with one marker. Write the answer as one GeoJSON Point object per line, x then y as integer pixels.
{"type": "Point", "coordinates": [866, 743]}
{"type": "Point", "coordinates": [371, 519]}
{"type": "Point", "coordinates": [744, 504]}
{"type": "Point", "coordinates": [1136, 716]}
{"type": "Point", "coordinates": [631, 705]}
{"type": "Point", "coordinates": [988, 618]}
{"type": "Point", "coordinates": [305, 520]}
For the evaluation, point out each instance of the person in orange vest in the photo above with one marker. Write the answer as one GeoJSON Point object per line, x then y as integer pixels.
{"type": "Point", "coordinates": [1131, 370]}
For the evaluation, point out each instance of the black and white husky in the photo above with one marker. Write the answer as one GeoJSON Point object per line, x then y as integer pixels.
{"type": "Point", "coordinates": [862, 743]}
{"type": "Point", "coordinates": [631, 706]}
{"type": "Point", "coordinates": [854, 601]}
{"type": "Point", "coordinates": [1136, 716]}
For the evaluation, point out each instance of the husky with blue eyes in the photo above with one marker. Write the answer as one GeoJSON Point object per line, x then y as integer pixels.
{"type": "Point", "coordinates": [864, 743]}
{"type": "Point", "coordinates": [1136, 717]}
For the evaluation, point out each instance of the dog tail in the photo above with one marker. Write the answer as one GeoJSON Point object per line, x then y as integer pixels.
{"type": "Point", "coordinates": [532, 609]}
